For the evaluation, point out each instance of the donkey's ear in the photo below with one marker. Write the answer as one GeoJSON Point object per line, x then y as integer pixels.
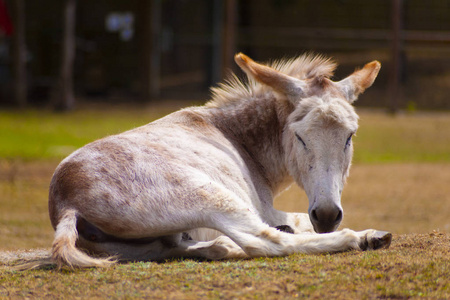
{"type": "Point", "coordinates": [284, 84]}
{"type": "Point", "coordinates": [359, 81]}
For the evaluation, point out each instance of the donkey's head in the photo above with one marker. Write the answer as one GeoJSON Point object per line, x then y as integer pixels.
{"type": "Point", "coordinates": [317, 138]}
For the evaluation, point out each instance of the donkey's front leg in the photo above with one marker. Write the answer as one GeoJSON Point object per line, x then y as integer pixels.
{"type": "Point", "coordinates": [373, 239]}
{"type": "Point", "coordinates": [368, 239]}
{"type": "Point", "coordinates": [258, 239]}
{"type": "Point", "coordinates": [254, 234]}
{"type": "Point", "coordinates": [271, 242]}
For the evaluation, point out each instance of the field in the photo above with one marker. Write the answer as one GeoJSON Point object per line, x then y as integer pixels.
{"type": "Point", "coordinates": [399, 182]}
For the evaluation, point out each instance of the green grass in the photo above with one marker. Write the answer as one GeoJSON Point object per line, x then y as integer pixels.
{"type": "Point", "coordinates": [33, 134]}
{"type": "Point", "coordinates": [36, 134]}
{"type": "Point", "coordinates": [420, 137]}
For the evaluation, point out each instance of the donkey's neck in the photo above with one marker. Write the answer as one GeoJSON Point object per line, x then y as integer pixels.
{"type": "Point", "coordinates": [255, 127]}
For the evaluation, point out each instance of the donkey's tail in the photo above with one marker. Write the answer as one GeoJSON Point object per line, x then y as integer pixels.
{"type": "Point", "coordinates": [64, 250]}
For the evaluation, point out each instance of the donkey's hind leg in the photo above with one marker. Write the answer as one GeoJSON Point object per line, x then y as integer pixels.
{"type": "Point", "coordinates": [179, 245]}
{"type": "Point", "coordinates": [220, 248]}
{"type": "Point", "coordinates": [94, 241]}
{"type": "Point", "coordinates": [132, 250]}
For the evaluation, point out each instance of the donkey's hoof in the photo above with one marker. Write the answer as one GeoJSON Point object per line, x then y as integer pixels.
{"type": "Point", "coordinates": [377, 240]}
{"type": "Point", "coordinates": [285, 228]}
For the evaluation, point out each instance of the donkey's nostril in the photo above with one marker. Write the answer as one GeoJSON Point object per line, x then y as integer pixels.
{"type": "Point", "coordinates": [314, 215]}
{"type": "Point", "coordinates": [339, 217]}
{"type": "Point", "coordinates": [325, 219]}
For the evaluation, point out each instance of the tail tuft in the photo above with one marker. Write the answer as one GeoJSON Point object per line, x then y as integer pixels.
{"type": "Point", "coordinates": [64, 250]}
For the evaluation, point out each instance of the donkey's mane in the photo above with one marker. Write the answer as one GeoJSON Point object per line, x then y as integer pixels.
{"type": "Point", "coordinates": [303, 67]}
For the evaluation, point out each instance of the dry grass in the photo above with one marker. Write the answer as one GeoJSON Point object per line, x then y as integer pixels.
{"type": "Point", "coordinates": [401, 198]}
{"type": "Point", "coordinates": [24, 221]}
{"type": "Point", "coordinates": [415, 137]}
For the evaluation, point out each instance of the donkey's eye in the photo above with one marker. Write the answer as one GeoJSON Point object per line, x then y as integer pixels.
{"type": "Point", "coordinates": [300, 140]}
{"type": "Point", "coordinates": [349, 140]}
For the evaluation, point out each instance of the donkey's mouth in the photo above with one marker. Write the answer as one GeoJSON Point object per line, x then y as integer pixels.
{"type": "Point", "coordinates": [325, 228]}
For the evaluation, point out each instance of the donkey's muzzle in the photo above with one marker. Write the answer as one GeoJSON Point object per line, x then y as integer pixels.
{"type": "Point", "coordinates": [325, 219]}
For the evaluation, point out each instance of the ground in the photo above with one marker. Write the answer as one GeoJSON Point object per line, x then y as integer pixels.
{"type": "Point", "coordinates": [416, 266]}
{"type": "Point", "coordinates": [399, 183]}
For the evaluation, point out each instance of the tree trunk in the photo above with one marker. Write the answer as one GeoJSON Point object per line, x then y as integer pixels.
{"type": "Point", "coordinates": [65, 99]}
{"type": "Point", "coordinates": [150, 28]}
{"type": "Point", "coordinates": [229, 37]}
{"type": "Point", "coordinates": [397, 55]}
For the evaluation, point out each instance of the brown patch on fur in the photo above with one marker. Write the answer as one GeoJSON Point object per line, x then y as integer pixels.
{"type": "Point", "coordinates": [115, 151]}
{"type": "Point", "coordinates": [71, 179]}
{"type": "Point", "coordinates": [173, 178]}
{"type": "Point", "coordinates": [270, 234]}
{"type": "Point", "coordinates": [68, 181]}
{"type": "Point", "coordinates": [159, 153]}
{"type": "Point", "coordinates": [194, 119]}
{"type": "Point", "coordinates": [225, 170]}
{"type": "Point", "coordinates": [255, 129]}
{"type": "Point", "coordinates": [297, 223]}
{"type": "Point", "coordinates": [106, 196]}
{"type": "Point", "coordinates": [117, 165]}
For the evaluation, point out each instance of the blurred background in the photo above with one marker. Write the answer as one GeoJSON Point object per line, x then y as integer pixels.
{"type": "Point", "coordinates": [64, 52]}
{"type": "Point", "coordinates": [112, 65]}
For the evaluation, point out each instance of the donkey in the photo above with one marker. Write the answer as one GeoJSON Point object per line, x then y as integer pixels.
{"type": "Point", "coordinates": [200, 182]}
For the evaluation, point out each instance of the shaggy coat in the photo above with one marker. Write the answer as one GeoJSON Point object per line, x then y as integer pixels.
{"type": "Point", "coordinates": [201, 181]}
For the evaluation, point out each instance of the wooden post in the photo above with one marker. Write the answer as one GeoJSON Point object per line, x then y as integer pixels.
{"type": "Point", "coordinates": [397, 55]}
{"type": "Point", "coordinates": [19, 53]}
{"type": "Point", "coordinates": [217, 32]}
{"type": "Point", "coordinates": [229, 37]}
{"type": "Point", "coordinates": [151, 46]}
{"type": "Point", "coordinates": [64, 94]}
